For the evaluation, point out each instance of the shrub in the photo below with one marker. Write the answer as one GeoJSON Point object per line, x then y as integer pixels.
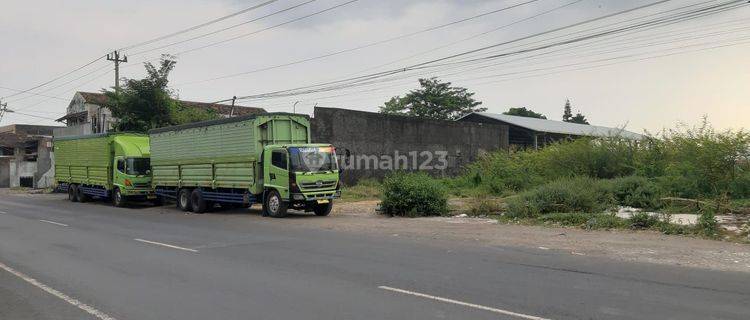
{"type": "Point", "coordinates": [413, 194]}
{"type": "Point", "coordinates": [700, 162]}
{"type": "Point", "coordinates": [566, 219]}
{"type": "Point", "coordinates": [592, 221]}
{"type": "Point", "coordinates": [707, 224]}
{"type": "Point", "coordinates": [605, 221]}
{"type": "Point", "coordinates": [579, 194]}
{"type": "Point", "coordinates": [635, 191]}
{"type": "Point", "coordinates": [740, 186]}
{"type": "Point", "coordinates": [671, 228]}
{"type": "Point", "coordinates": [485, 206]}
{"type": "Point", "coordinates": [686, 162]}
{"type": "Point", "coordinates": [642, 220]}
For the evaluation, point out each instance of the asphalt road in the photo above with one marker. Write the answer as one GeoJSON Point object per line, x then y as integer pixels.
{"type": "Point", "coordinates": [61, 260]}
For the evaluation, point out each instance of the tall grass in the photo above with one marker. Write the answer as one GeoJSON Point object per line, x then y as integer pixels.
{"type": "Point", "coordinates": [685, 162]}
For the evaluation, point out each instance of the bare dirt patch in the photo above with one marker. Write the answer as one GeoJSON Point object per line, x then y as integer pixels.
{"type": "Point", "coordinates": [638, 246]}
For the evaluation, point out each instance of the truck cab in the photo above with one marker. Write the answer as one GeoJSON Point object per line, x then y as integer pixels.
{"type": "Point", "coordinates": [299, 176]}
{"type": "Point", "coordinates": [131, 174]}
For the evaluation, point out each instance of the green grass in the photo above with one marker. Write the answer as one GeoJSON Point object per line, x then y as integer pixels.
{"type": "Point", "coordinates": [367, 189]}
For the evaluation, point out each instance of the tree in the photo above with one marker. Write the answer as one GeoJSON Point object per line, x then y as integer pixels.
{"type": "Point", "coordinates": [148, 103]}
{"type": "Point", "coordinates": [523, 112]}
{"type": "Point", "coordinates": [567, 113]}
{"type": "Point", "coordinates": [569, 117]}
{"type": "Point", "coordinates": [578, 118]}
{"type": "Point", "coordinates": [434, 100]}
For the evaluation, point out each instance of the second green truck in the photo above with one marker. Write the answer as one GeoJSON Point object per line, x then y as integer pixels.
{"type": "Point", "coordinates": [265, 158]}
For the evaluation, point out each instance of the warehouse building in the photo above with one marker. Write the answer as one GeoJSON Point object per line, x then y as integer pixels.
{"type": "Point", "coordinates": [526, 132]}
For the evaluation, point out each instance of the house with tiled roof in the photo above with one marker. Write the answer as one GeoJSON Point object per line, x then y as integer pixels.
{"type": "Point", "coordinates": [87, 113]}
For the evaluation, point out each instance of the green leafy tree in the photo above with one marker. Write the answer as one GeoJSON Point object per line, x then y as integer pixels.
{"type": "Point", "coordinates": [523, 112]}
{"type": "Point", "coordinates": [148, 103]}
{"type": "Point", "coordinates": [569, 117]}
{"type": "Point", "coordinates": [579, 118]}
{"type": "Point", "coordinates": [434, 100]}
{"type": "Point", "coordinates": [567, 113]}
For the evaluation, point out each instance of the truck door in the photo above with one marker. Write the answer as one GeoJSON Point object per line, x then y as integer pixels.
{"type": "Point", "coordinates": [118, 172]}
{"type": "Point", "coordinates": [276, 173]}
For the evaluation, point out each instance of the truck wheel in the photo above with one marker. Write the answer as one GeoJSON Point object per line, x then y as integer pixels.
{"type": "Point", "coordinates": [274, 205]}
{"type": "Point", "coordinates": [72, 193]}
{"type": "Point", "coordinates": [82, 197]}
{"type": "Point", "coordinates": [183, 200]}
{"type": "Point", "coordinates": [118, 200]}
{"type": "Point", "coordinates": [199, 204]}
{"type": "Point", "coordinates": [324, 209]}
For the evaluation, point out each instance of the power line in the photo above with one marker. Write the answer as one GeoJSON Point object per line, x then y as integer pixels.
{"type": "Point", "coordinates": [32, 93]}
{"type": "Point", "coordinates": [371, 44]}
{"type": "Point", "coordinates": [271, 27]}
{"type": "Point", "coordinates": [71, 88]}
{"type": "Point", "coordinates": [358, 81]}
{"type": "Point", "coordinates": [67, 82]}
{"type": "Point", "coordinates": [470, 38]}
{"type": "Point", "coordinates": [54, 79]}
{"type": "Point", "coordinates": [394, 71]}
{"type": "Point", "coordinates": [224, 29]}
{"type": "Point", "coordinates": [176, 33]}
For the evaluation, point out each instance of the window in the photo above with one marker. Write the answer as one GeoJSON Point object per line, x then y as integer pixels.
{"type": "Point", "coordinates": [313, 159]}
{"type": "Point", "coordinates": [138, 166]}
{"type": "Point", "coordinates": [121, 165]}
{"type": "Point", "coordinates": [278, 159]}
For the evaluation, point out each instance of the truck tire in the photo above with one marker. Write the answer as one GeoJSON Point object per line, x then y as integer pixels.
{"type": "Point", "coordinates": [72, 193]}
{"type": "Point", "coordinates": [199, 204]}
{"type": "Point", "coordinates": [118, 200]}
{"type": "Point", "coordinates": [273, 205]}
{"type": "Point", "coordinates": [324, 209]}
{"type": "Point", "coordinates": [183, 200]}
{"type": "Point", "coordinates": [82, 197]}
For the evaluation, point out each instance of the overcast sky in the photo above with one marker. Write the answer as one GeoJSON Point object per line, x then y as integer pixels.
{"type": "Point", "coordinates": [709, 74]}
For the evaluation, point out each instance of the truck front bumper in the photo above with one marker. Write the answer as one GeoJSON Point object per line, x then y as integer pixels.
{"type": "Point", "coordinates": [319, 195]}
{"type": "Point", "coordinates": [138, 192]}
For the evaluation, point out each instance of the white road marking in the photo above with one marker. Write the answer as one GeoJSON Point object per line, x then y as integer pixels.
{"type": "Point", "coordinates": [578, 253]}
{"type": "Point", "coordinates": [55, 223]}
{"type": "Point", "coordinates": [80, 305]}
{"type": "Point", "coordinates": [466, 304]}
{"type": "Point", "coordinates": [166, 245]}
{"type": "Point", "coordinates": [544, 248]}
{"type": "Point", "coordinates": [3, 212]}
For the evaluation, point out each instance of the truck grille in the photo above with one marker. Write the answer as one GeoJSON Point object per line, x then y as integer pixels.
{"type": "Point", "coordinates": [318, 184]}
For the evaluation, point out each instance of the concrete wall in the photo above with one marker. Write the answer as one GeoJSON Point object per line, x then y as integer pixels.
{"type": "Point", "coordinates": [370, 145]}
{"type": "Point", "coordinates": [4, 172]}
{"type": "Point", "coordinates": [76, 130]}
{"type": "Point", "coordinates": [42, 170]}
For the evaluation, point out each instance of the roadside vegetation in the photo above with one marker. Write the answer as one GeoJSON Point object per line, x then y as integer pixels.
{"type": "Point", "coordinates": [583, 182]}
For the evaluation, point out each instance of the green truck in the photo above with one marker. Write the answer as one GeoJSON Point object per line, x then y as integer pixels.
{"type": "Point", "coordinates": [239, 161]}
{"type": "Point", "coordinates": [114, 165]}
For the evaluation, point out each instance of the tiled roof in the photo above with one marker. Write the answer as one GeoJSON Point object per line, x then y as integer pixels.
{"type": "Point", "coordinates": [223, 109]}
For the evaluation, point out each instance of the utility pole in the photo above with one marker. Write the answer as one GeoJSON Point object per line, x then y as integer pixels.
{"type": "Point", "coordinates": [3, 110]}
{"type": "Point", "coordinates": [115, 56]}
{"type": "Point", "coordinates": [231, 112]}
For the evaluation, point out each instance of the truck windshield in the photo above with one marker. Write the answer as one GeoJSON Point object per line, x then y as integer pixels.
{"type": "Point", "coordinates": [137, 166]}
{"type": "Point", "coordinates": [312, 159]}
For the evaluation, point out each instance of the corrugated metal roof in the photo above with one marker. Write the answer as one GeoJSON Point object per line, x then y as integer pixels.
{"type": "Point", "coordinates": [553, 126]}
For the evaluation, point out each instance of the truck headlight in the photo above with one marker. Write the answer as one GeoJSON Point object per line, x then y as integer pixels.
{"type": "Point", "coordinates": [299, 197]}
